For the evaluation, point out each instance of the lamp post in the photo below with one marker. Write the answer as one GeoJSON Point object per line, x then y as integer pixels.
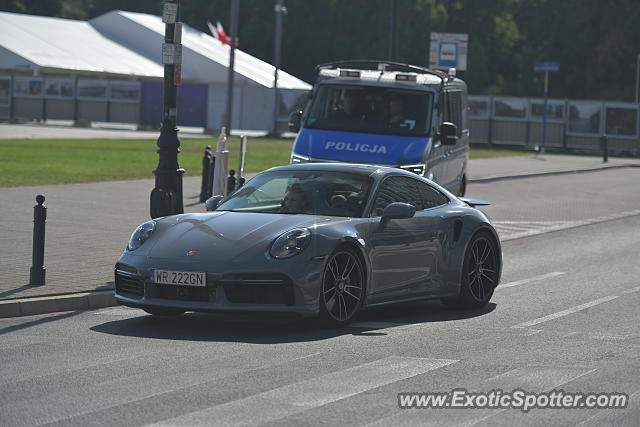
{"type": "Point", "coordinates": [233, 37]}
{"type": "Point", "coordinates": [280, 10]}
{"type": "Point", "coordinates": [166, 197]}
{"type": "Point", "coordinates": [637, 76]}
{"type": "Point", "coordinates": [393, 13]}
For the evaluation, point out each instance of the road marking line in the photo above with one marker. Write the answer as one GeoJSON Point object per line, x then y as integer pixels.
{"type": "Point", "coordinates": [541, 227]}
{"type": "Point", "coordinates": [565, 312]}
{"type": "Point", "coordinates": [632, 290]}
{"type": "Point", "coordinates": [119, 312]}
{"type": "Point", "coordinates": [596, 419]}
{"type": "Point", "coordinates": [146, 384]}
{"type": "Point", "coordinates": [530, 378]}
{"type": "Point", "coordinates": [294, 398]}
{"type": "Point", "coordinates": [377, 325]}
{"type": "Point", "coordinates": [531, 279]}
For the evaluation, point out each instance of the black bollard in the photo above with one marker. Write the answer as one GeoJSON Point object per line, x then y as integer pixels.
{"type": "Point", "coordinates": [204, 186]}
{"type": "Point", "coordinates": [241, 182]}
{"type": "Point", "coordinates": [231, 182]}
{"type": "Point", "coordinates": [212, 168]}
{"type": "Point", "coordinates": [37, 272]}
{"type": "Point", "coordinates": [604, 144]}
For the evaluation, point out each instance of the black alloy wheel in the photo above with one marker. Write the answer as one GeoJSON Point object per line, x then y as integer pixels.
{"type": "Point", "coordinates": [479, 273]}
{"type": "Point", "coordinates": [342, 291]}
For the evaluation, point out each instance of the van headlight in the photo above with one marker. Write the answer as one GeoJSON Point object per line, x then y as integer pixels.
{"type": "Point", "coordinates": [140, 235]}
{"type": "Point", "coordinates": [297, 158]}
{"type": "Point", "coordinates": [417, 169]}
{"type": "Point", "coordinates": [290, 243]}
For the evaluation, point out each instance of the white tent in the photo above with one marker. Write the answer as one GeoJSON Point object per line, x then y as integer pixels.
{"type": "Point", "coordinates": [205, 59]}
{"type": "Point", "coordinates": [128, 45]}
{"type": "Point", "coordinates": [36, 43]}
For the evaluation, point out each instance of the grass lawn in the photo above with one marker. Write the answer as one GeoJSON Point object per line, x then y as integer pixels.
{"type": "Point", "coordinates": [55, 161]}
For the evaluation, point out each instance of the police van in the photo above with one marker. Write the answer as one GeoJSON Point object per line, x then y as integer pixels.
{"type": "Point", "coordinates": [386, 113]}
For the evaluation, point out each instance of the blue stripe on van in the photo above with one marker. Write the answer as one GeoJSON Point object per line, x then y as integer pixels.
{"type": "Point", "coordinates": [361, 147]}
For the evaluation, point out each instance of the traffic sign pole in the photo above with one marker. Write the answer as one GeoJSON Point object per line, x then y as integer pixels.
{"type": "Point", "coordinates": [546, 68]}
{"type": "Point", "coordinates": [544, 114]}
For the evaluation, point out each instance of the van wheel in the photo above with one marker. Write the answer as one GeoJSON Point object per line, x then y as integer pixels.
{"type": "Point", "coordinates": [463, 186]}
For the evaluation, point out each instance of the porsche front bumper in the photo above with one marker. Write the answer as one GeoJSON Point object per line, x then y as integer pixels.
{"type": "Point", "coordinates": [256, 291]}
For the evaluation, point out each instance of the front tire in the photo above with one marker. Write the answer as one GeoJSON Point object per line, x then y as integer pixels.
{"type": "Point", "coordinates": [343, 287]}
{"type": "Point", "coordinates": [479, 273]}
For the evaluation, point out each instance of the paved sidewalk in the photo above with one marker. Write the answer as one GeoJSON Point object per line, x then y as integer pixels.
{"type": "Point", "coordinates": [88, 225]}
{"type": "Point", "coordinates": [103, 130]}
{"type": "Point", "coordinates": [482, 170]}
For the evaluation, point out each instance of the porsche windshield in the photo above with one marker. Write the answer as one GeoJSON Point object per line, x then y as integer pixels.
{"type": "Point", "coordinates": [302, 192]}
{"type": "Point", "coordinates": [371, 109]}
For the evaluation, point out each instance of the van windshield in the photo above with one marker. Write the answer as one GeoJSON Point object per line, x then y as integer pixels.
{"type": "Point", "coordinates": [371, 109]}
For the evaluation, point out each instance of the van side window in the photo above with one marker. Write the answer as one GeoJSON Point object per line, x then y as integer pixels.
{"type": "Point", "coordinates": [453, 112]}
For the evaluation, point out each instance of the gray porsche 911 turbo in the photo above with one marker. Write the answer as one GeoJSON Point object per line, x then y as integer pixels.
{"type": "Point", "coordinates": [315, 239]}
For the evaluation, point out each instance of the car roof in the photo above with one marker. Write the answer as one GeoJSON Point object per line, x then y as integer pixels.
{"type": "Point", "coordinates": [356, 168]}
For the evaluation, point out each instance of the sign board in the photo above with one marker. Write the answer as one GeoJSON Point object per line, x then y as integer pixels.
{"type": "Point", "coordinates": [448, 50]}
{"type": "Point", "coordinates": [171, 53]}
{"type": "Point", "coordinates": [546, 67]}
{"type": "Point", "coordinates": [169, 13]}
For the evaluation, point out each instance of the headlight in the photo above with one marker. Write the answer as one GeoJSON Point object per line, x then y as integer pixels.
{"type": "Point", "coordinates": [290, 243]}
{"type": "Point", "coordinates": [142, 233]}
{"type": "Point", "coordinates": [297, 158]}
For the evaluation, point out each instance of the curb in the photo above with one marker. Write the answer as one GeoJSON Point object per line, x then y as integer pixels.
{"type": "Point", "coordinates": [549, 173]}
{"type": "Point", "coordinates": [57, 303]}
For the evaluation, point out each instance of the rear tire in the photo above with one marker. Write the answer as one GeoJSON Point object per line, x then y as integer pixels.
{"type": "Point", "coordinates": [164, 311]}
{"type": "Point", "coordinates": [479, 273]}
{"type": "Point", "coordinates": [343, 287]}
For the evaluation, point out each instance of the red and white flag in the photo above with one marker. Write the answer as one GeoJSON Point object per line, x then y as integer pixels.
{"type": "Point", "coordinates": [218, 33]}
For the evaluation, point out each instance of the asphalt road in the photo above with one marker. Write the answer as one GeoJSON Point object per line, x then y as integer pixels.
{"type": "Point", "coordinates": [565, 317]}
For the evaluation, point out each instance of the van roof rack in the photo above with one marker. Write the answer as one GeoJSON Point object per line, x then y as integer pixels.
{"type": "Point", "coordinates": [368, 64]}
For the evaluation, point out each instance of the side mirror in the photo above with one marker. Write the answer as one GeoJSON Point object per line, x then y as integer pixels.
{"type": "Point", "coordinates": [295, 119]}
{"type": "Point", "coordinates": [448, 132]}
{"type": "Point", "coordinates": [212, 203]}
{"type": "Point", "coordinates": [397, 210]}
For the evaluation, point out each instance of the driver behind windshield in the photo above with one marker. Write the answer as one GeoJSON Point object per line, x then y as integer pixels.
{"type": "Point", "coordinates": [350, 108]}
{"type": "Point", "coordinates": [396, 111]}
{"type": "Point", "coordinates": [294, 200]}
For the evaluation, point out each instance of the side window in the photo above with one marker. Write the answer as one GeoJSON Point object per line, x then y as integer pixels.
{"type": "Point", "coordinates": [430, 197]}
{"type": "Point", "coordinates": [453, 112]}
{"type": "Point", "coordinates": [396, 189]}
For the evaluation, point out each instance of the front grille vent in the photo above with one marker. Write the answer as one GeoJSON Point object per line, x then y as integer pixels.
{"type": "Point", "coordinates": [127, 285]}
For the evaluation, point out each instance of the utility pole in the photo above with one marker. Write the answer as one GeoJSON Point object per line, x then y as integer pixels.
{"type": "Point", "coordinates": [392, 29]}
{"type": "Point", "coordinates": [233, 37]}
{"type": "Point", "coordinates": [280, 10]}
{"type": "Point", "coordinates": [166, 197]}
{"type": "Point", "coordinates": [637, 76]}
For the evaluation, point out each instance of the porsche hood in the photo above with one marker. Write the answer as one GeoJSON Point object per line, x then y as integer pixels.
{"type": "Point", "coordinates": [224, 236]}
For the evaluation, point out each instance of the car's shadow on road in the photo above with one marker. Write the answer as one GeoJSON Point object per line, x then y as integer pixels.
{"type": "Point", "coordinates": [261, 328]}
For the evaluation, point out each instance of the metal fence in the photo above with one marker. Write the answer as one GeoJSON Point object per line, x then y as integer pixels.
{"type": "Point", "coordinates": [572, 125]}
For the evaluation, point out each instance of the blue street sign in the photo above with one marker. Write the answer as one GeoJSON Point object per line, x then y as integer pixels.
{"type": "Point", "coordinates": [448, 54]}
{"type": "Point", "coordinates": [546, 67]}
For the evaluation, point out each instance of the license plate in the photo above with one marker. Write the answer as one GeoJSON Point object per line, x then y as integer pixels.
{"type": "Point", "coordinates": [182, 278]}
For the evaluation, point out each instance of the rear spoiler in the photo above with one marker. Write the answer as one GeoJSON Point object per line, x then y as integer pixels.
{"type": "Point", "coordinates": [474, 202]}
